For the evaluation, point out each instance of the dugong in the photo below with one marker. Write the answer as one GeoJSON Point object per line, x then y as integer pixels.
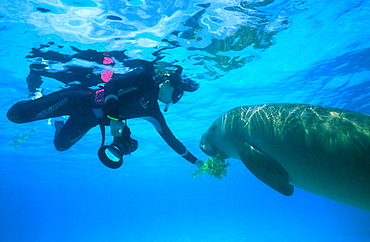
{"type": "Point", "coordinates": [322, 150]}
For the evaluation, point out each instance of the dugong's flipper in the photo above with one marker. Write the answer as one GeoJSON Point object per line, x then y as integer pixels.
{"type": "Point", "coordinates": [265, 168]}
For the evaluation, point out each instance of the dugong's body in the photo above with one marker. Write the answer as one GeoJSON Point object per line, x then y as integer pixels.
{"type": "Point", "coordinates": [319, 149]}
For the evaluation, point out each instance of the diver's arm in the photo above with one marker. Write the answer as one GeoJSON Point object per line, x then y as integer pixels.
{"type": "Point", "coordinates": [160, 124]}
{"type": "Point", "coordinates": [176, 145]}
{"type": "Point", "coordinates": [131, 80]}
{"type": "Point", "coordinates": [111, 89]}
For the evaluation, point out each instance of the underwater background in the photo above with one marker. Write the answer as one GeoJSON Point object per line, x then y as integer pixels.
{"type": "Point", "coordinates": [241, 53]}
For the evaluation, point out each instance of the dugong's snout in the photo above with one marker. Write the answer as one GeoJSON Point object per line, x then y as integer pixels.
{"type": "Point", "coordinates": [207, 147]}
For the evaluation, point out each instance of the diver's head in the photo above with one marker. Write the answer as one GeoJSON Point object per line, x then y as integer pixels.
{"type": "Point", "coordinates": [172, 84]}
{"type": "Point", "coordinates": [165, 94]}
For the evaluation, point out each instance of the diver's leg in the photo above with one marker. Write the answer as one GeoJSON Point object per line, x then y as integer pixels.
{"type": "Point", "coordinates": [74, 129]}
{"type": "Point", "coordinates": [50, 106]}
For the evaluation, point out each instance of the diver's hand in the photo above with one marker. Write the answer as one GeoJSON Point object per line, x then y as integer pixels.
{"type": "Point", "coordinates": [116, 128]}
{"type": "Point", "coordinates": [199, 163]}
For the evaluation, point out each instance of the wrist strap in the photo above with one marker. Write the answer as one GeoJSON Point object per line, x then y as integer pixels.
{"type": "Point", "coordinates": [111, 118]}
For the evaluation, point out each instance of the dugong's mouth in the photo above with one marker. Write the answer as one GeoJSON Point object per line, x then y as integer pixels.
{"type": "Point", "coordinates": [210, 149]}
{"type": "Point", "coordinates": [206, 147]}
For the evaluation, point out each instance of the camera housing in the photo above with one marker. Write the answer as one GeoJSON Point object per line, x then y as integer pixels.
{"type": "Point", "coordinates": [112, 155]}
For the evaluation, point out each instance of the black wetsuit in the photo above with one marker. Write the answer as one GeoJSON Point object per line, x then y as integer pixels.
{"type": "Point", "coordinates": [137, 95]}
{"type": "Point", "coordinates": [77, 103]}
{"type": "Point", "coordinates": [139, 100]}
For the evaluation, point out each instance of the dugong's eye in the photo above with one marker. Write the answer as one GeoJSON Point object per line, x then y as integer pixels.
{"type": "Point", "coordinates": [213, 128]}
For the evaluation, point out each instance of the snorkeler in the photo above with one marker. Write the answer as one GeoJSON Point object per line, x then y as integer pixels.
{"type": "Point", "coordinates": [132, 95]}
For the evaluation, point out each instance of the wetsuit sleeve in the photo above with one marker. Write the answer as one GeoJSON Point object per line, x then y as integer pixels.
{"type": "Point", "coordinates": [171, 140]}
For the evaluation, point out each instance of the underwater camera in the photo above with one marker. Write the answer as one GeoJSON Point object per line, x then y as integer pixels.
{"type": "Point", "coordinates": [112, 155]}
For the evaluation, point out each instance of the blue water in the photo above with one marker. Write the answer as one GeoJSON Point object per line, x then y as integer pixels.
{"type": "Point", "coordinates": [242, 53]}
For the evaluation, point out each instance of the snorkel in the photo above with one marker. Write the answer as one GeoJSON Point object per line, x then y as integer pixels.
{"type": "Point", "coordinates": [169, 77]}
{"type": "Point", "coordinates": [180, 83]}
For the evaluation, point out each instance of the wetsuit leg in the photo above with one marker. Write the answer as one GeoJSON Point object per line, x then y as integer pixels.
{"type": "Point", "coordinates": [77, 125]}
{"type": "Point", "coordinates": [73, 102]}
{"type": "Point", "coordinates": [57, 104]}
